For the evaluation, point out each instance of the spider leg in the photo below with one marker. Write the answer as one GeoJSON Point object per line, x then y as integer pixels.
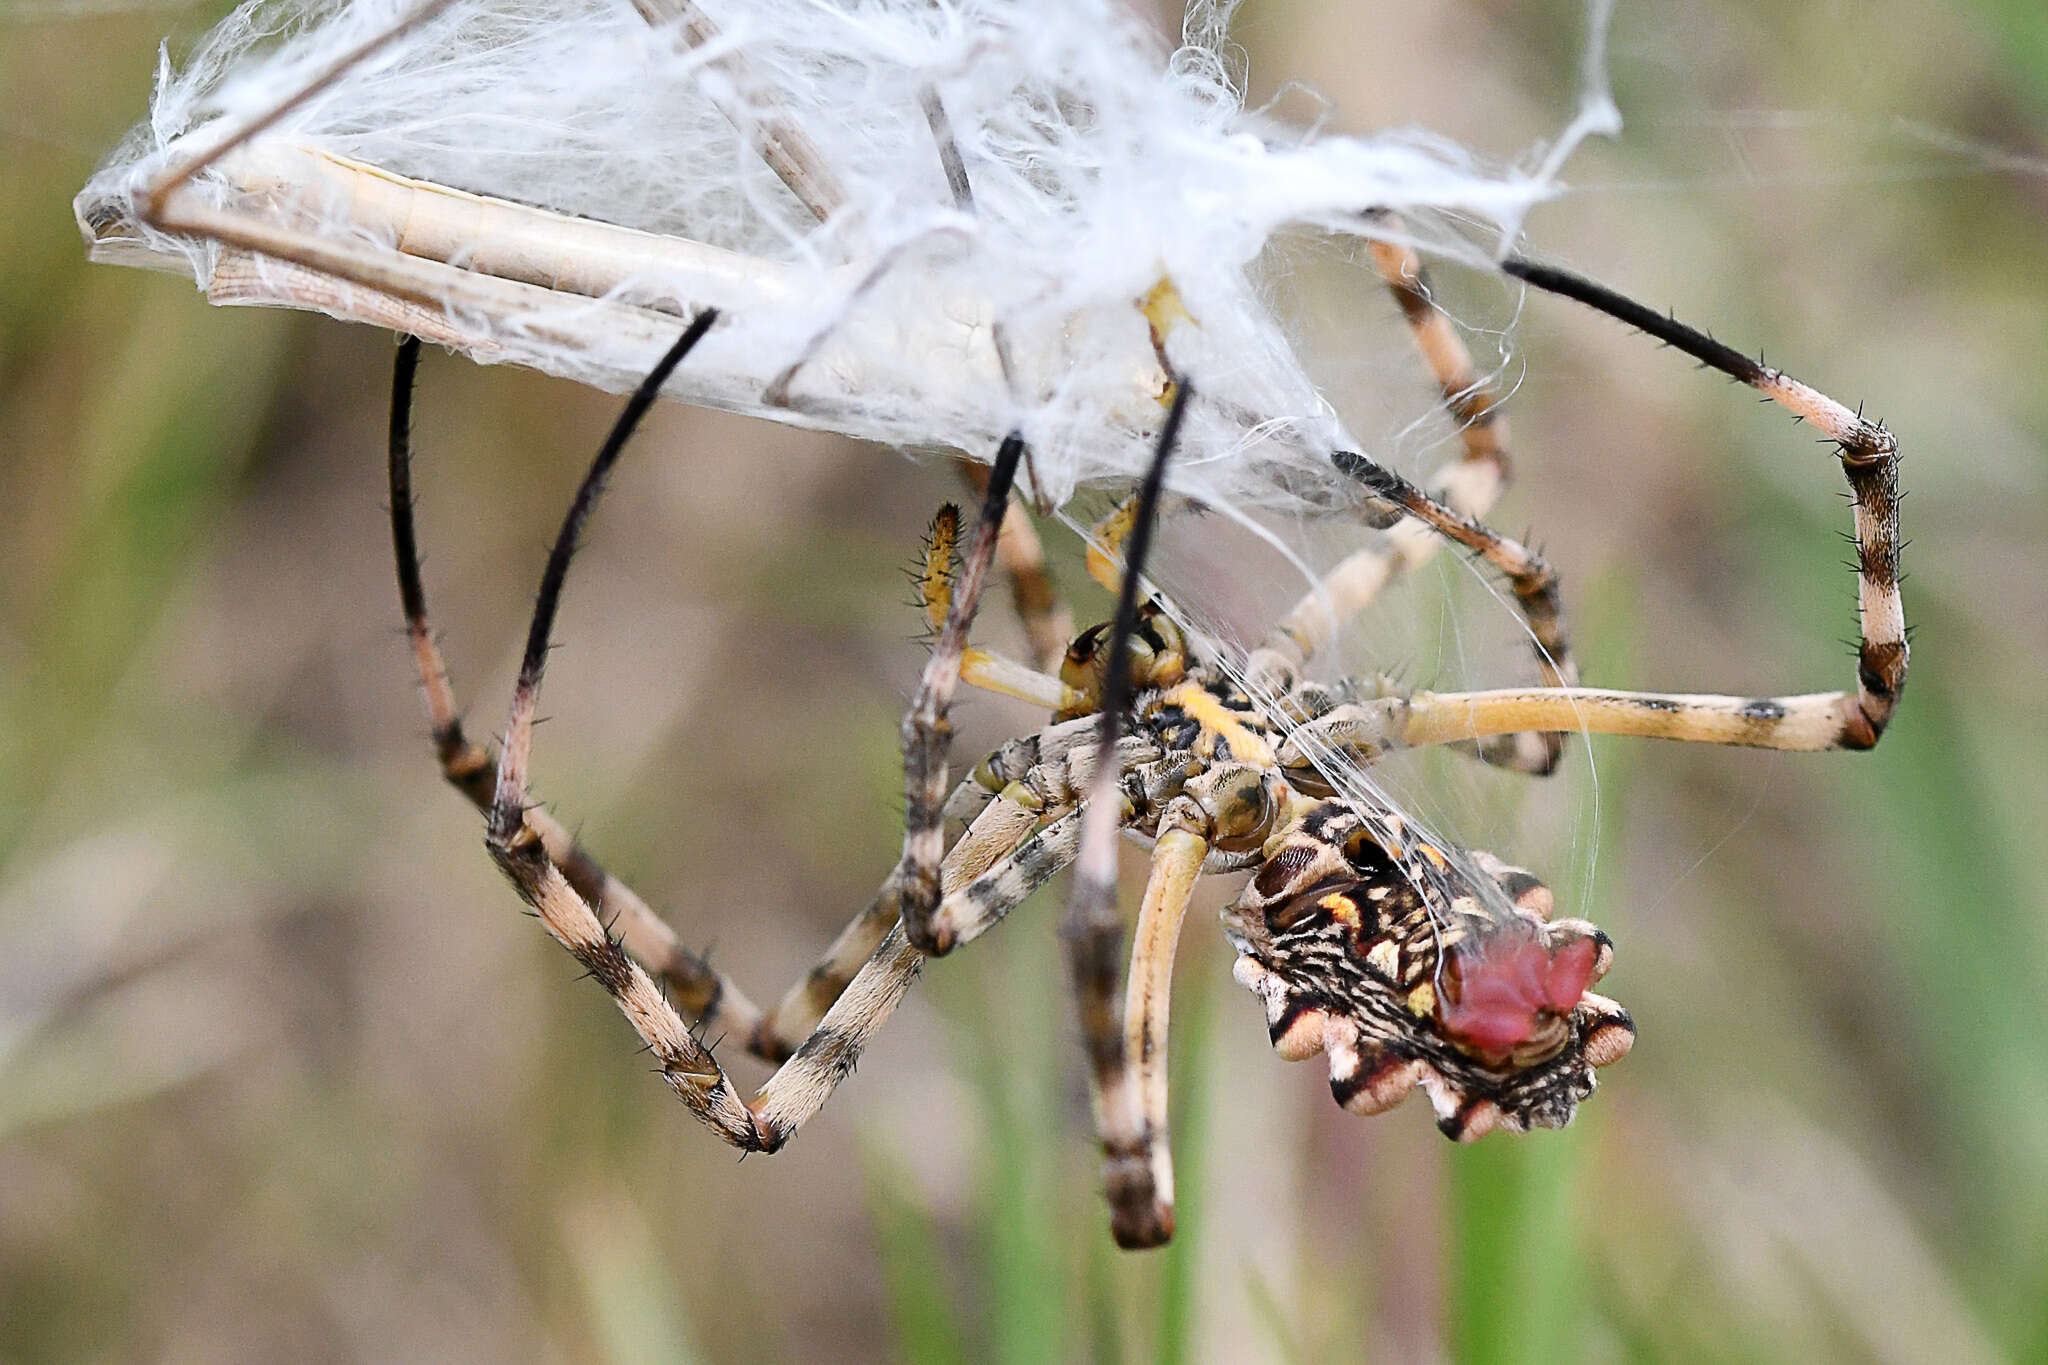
{"type": "Point", "coordinates": [1013, 761]}
{"type": "Point", "coordinates": [1530, 578]}
{"type": "Point", "coordinates": [1012, 865]}
{"type": "Point", "coordinates": [925, 729]}
{"type": "Point", "coordinates": [1467, 487]}
{"type": "Point", "coordinates": [1471, 484]}
{"type": "Point", "coordinates": [1130, 1084]}
{"type": "Point", "coordinates": [817, 1065]}
{"type": "Point", "coordinates": [1048, 625]}
{"type": "Point", "coordinates": [517, 847]}
{"type": "Point", "coordinates": [704, 994]}
{"type": "Point", "coordinates": [520, 841]}
{"type": "Point", "coordinates": [995, 840]}
{"type": "Point", "coordinates": [1092, 930]}
{"type": "Point", "coordinates": [1235, 804]}
{"type": "Point", "coordinates": [1870, 462]}
{"type": "Point", "coordinates": [716, 1005]}
{"type": "Point", "coordinates": [1032, 830]}
{"type": "Point", "coordinates": [1805, 723]}
{"type": "Point", "coordinates": [990, 871]}
{"type": "Point", "coordinates": [991, 672]}
{"type": "Point", "coordinates": [801, 1087]}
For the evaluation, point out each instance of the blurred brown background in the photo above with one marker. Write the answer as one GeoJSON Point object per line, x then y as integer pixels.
{"type": "Point", "coordinates": [284, 1074]}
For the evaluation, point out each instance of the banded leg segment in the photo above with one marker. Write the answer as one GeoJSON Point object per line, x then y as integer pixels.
{"type": "Point", "coordinates": [1471, 484]}
{"type": "Point", "coordinates": [1048, 625]}
{"type": "Point", "coordinates": [1011, 866]}
{"type": "Point", "coordinates": [1870, 462]}
{"type": "Point", "coordinates": [519, 840]}
{"type": "Point", "coordinates": [1471, 401]}
{"type": "Point", "coordinates": [1465, 489]}
{"type": "Point", "coordinates": [1365, 731]}
{"type": "Point", "coordinates": [685, 1064]}
{"type": "Point", "coordinates": [1530, 578]}
{"type": "Point", "coordinates": [1004, 855]}
{"type": "Point", "coordinates": [817, 1065]}
{"type": "Point", "coordinates": [705, 995]}
{"type": "Point", "coordinates": [926, 731]}
{"type": "Point", "coordinates": [716, 1006]}
{"type": "Point", "coordinates": [1091, 929]}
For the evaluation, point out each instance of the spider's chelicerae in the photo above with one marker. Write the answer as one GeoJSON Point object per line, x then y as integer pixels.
{"type": "Point", "coordinates": [1409, 964]}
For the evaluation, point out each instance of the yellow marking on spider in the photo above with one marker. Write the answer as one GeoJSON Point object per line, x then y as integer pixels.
{"type": "Point", "coordinates": [936, 586]}
{"type": "Point", "coordinates": [1164, 311]}
{"type": "Point", "coordinates": [1385, 958]}
{"type": "Point", "coordinates": [1342, 908]}
{"type": "Point", "coordinates": [994, 673]}
{"type": "Point", "coordinates": [1106, 543]}
{"type": "Point", "coordinates": [1436, 858]}
{"type": "Point", "coordinates": [1017, 794]}
{"type": "Point", "coordinates": [1219, 721]}
{"type": "Point", "coordinates": [1422, 1000]}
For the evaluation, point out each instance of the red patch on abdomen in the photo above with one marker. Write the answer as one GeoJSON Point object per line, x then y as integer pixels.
{"type": "Point", "coordinates": [1496, 995]}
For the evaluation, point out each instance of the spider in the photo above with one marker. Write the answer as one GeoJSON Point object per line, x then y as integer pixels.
{"type": "Point", "coordinates": [1409, 963]}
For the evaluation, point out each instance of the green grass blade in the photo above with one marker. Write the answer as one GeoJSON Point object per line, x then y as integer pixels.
{"type": "Point", "coordinates": [1180, 1282]}
{"type": "Point", "coordinates": [921, 1293]}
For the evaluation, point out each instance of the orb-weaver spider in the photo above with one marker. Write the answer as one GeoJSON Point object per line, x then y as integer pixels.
{"type": "Point", "coordinates": [1409, 964]}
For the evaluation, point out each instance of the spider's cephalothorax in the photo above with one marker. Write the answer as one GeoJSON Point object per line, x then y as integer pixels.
{"type": "Point", "coordinates": [1484, 1004]}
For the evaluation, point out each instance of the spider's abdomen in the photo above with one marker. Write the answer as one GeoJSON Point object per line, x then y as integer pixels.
{"type": "Point", "coordinates": [1481, 1002]}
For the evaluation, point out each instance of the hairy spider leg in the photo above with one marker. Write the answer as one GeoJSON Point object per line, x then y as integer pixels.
{"type": "Point", "coordinates": [926, 731]}
{"type": "Point", "coordinates": [1870, 462]}
{"type": "Point", "coordinates": [684, 1063]}
{"type": "Point", "coordinates": [1530, 577]}
{"type": "Point", "coordinates": [1048, 625]}
{"type": "Point", "coordinates": [1093, 931]}
{"type": "Point", "coordinates": [1469, 486]}
{"type": "Point", "coordinates": [525, 842]}
{"type": "Point", "coordinates": [1806, 722]}
{"type": "Point", "coordinates": [704, 994]}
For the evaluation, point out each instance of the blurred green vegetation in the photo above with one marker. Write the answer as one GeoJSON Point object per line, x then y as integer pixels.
{"type": "Point", "coordinates": [283, 1074]}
